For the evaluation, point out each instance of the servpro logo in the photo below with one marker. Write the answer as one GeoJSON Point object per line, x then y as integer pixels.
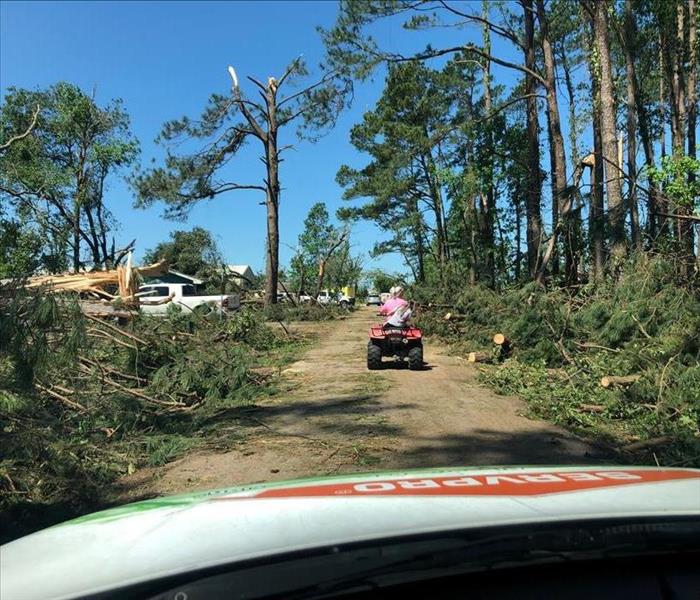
{"type": "Point", "coordinates": [492, 480]}
{"type": "Point", "coordinates": [492, 484]}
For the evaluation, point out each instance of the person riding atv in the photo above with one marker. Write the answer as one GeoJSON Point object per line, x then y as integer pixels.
{"type": "Point", "coordinates": [396, 337]}
{"type": "Point", "coordinates": [395, 301]}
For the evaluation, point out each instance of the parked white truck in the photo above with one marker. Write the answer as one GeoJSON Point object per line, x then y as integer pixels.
{"type": "Point", "coordinates": [156, 298]}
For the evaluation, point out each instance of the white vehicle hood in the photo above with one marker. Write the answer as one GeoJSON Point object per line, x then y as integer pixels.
{"type": "Point", "coordinates": [171, 535]}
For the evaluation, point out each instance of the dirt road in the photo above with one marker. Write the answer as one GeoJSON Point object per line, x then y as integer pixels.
{"type": "Point", "coordinates": [335, 416]}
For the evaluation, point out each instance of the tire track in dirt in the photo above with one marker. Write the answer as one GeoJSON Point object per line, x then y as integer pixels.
{"type": "Point", "coordinates": [335, 416]}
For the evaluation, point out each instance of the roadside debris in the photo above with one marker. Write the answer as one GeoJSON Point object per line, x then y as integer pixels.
{"type": "Point", "coordinates": [120, 283]}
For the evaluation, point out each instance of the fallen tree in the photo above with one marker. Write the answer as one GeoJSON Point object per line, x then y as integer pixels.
{"type": "Point", "coordinates": [124, 280]}
{"type": "Point", "coordinates": [612, 359]}
{"type": "Point", "coordinates": [84, 401]}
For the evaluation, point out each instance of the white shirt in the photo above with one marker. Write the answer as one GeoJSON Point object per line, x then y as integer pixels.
{"type": "Point", "coordinates": [400, 316]}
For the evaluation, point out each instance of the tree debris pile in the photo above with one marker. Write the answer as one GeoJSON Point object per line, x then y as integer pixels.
{"type": "Point", "coordinates": [304, 312]}
{"type": "Point", "coordinates": [83, 400]}
{"type": "Point", "coordinates": [122, 280]}
{"type": "Point", "coordinates": [619, 360]}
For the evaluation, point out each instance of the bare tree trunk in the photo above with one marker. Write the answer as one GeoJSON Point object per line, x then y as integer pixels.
{"type": "Point", "coordinates": [534, 182]}
{"type": "Point", "coordinates": [575, 235]}
{"type": "Point", "coordinates": [470, 219]}
{"type": "Point", "coordinates": [560, 199]}
{"type": "Point", "coordinates": [490, 207]}
{"type": "Point", "coordinates": [573, 112]}
{"type": "Point", "coordinates": [321, 278]}
{"type": "Point", "coordinates": [76, 235]}
{"type": "Point", "coordinates": [518, 231]}
{"type": "Point", "coordinates": [108, 257]}
{"type": "Point", "coordinates": [94, 243]}
{"type": "Point", "coordinates": [595, 214]}
{"type": "Point", "coordinates": [429, 169]}
{"type": "Point", "coordinates": [272, 198]}
{"type": "Point", "coordinates": [693, 104]}
{"type": "Point", "coordinates": [663, 225]}
{"type": "Point", "coordinates": [78, 199]}
{"type": "Point", "coordinates": [418, 239]}
{"type": "Point", "coordinates": [302, 279]}
{"type": "Point", "coordinates": [692, 82]}
{"type": "Point", "coordinates": [685, 227]}
{"type": "Point", "coordinates": [616, 217]}
{"type": "Point", "coordinates": [653, 199]}
{"type": "Point", "coordinates": [554, 259]}
{"type": "Point", "coordinates": [679, 79]}
{"type": "Point", "coordinates": [673, 43]}
{"type": "Point", "coordinates": [629, 46]}
{"type": "Point", "coordinates": [672, 49]}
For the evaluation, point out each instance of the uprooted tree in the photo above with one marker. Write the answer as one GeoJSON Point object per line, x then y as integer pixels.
{"type": "Point", "coordinates": [226, 123]}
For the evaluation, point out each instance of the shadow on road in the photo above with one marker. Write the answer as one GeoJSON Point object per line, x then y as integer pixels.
{"type": "Point", "coordinates": [488, 447]}
{"type": "Point", "coordinates": [403, 366]}
{"type": "Point", "coordinates": [353, 415]}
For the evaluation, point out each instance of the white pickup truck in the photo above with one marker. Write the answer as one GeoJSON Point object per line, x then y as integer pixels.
{"type": "Point", "coordinates": [157, 297]}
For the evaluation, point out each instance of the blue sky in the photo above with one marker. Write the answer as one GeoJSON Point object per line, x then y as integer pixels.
{"type": "Point", "coordinates": [165, 58]}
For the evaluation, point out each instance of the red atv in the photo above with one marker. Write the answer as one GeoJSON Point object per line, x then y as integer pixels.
{"type": "Point", "coordinates": [399, 342]}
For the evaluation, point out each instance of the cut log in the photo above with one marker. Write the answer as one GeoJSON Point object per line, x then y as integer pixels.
{"type": "Point", "coordinates": [596, 346]}
{"type": "Point", "coordinates": [501, 340]}
{"type": "Point", "coordinates": [113, 314]}
{"type": "Point", "coordinates": [480, 357]}
{"type": "Point", "coordinates": [454, 317]}
{"type": "Point", "coordinates": [503, 344]}
{"type": "Point", "coordinates": [594, 408]}
{"type": "Point", "coordinates": [611, 380]}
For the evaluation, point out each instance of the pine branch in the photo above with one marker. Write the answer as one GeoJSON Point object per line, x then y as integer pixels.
{"type": "Point", "coordinates": [467, 48]}
{"type": "Point", "coordinates": [497, 29]}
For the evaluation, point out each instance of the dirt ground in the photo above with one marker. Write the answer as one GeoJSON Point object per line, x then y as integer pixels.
{"type": "Point", "coordinates": [332, 416]}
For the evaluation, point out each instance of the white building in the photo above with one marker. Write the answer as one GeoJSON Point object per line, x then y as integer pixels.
{"type": "Point", "coordinates": [242, 275]}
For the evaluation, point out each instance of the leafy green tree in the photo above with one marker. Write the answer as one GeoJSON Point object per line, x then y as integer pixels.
{"type": "Point", "coordinates": [225, 125]}
{"type": "Point", "coordinates": [356, 52]}
{"type": "Point", "coordinates": [381, 281]}
{"type": "Point", "coordinates": [342, 268]}
{"type": "Point", "coordinates": [318, 244]}
{"type": "Point", "coordinates": [20, 249]}
{"type": "Point", "coordinates": [402, 136]}
{"type": "Point", "coordinates": [193, 252]}
{"type": "Point", "coordinates": [54, 175]}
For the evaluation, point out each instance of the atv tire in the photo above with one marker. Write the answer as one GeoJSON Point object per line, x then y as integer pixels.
{"type": "Point", "coordinates": [374, 356]}
{"type": "Point", "coordinates": [415, 358]}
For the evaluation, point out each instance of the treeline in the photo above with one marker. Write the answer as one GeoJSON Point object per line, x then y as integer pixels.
{"type": "Point", "coordinates": [60, 149]}
{"type": "Point", "coordinates": [457, 175]}
{"type": "Point", "coordinates": [588, 155]}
